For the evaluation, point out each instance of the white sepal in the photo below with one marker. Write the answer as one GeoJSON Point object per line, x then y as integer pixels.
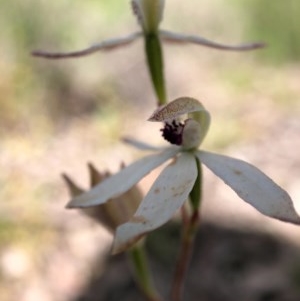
{"type": "Point", "coordinates": [106, 45]}
{"type": "Point", "coordinates": [165, 197]}
{"type": "Point", "coordinates": [252, 185]}
{"type": "Point", "coordinates": [180, 38]}
{"type": "Point", "coordinates": [122, 181]}
{"type": "Point", "coordinates": [141, 145]}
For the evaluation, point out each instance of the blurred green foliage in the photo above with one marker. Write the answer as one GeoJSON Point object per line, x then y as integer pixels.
{"type": "Point", "coordinates": [39, 99]}
{"type": "Point", "coordinates": [276, 23]}
{"type": "Point", "coordinates": [42, 94]}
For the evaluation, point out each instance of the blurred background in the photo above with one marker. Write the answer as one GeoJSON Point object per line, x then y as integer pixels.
{"type": "Point", "coordinates": [55, 116]}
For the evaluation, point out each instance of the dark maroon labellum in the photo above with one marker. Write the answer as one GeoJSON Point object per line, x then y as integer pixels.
{"type": "Point", "coordinates": [172, 132]}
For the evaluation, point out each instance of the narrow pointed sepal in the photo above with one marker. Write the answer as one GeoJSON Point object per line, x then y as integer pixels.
{"type": "Point", "coordinates": [73, 188]}
{"type": "Point", "coordinates": [166, 196]}
{"type": "Point", "coordinates": [174, 37]}
{"type": "Point", "coordinates": [102, 46]}
{"type": "Point", "coordinates": [252, 185]}
{"type": "Point", "coordinates": [121, 182]}
{"type": "Point", "coordinates": [140, 145]}
{"type": "Point", "coordinates": [95, 175]}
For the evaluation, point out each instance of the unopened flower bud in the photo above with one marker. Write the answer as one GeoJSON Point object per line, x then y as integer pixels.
{"type": "Point", "coordinates": [117, 210]}
{"type": "Point", "coordinates": [149, 13]}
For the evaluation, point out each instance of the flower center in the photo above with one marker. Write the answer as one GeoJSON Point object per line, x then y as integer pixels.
{"type": "Point", "coordinates": [172, 132]}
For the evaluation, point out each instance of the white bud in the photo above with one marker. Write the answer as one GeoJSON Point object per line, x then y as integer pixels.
{"type": "Point", "coordinates": [149, 13]}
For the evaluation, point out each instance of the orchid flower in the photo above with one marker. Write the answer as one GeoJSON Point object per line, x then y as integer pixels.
{"type": "Point", "coordinates": [115, 211]}
{"type": "Point", "coordinates": [175, 183]}
{"type": "Point", "coordinates": [149, 14]}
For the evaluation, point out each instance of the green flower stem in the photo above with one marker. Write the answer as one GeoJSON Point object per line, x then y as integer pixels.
{"type": "Point", "coordinates": [156, 66]}
{"type": "Point", "coordinates": [196, 193]}
{"type": "Point", "coordinates": [142, 273]}
{"type": "Point", "coordinates": [187, 243]}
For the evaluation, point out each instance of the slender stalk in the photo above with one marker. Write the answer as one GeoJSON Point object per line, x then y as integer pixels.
{"type": "Point", "coordinates": [196, 193]}
{"type": "Point", "coordinates": [188, 236]}
{"type": "Point", "coordinates": [142, 273]}
{"type": "Point", "coordinates": [184, 216]}
{"type": "Point", "coordinates": [156, 65]}
{"type": "Point", "coordinates": [187, 244]}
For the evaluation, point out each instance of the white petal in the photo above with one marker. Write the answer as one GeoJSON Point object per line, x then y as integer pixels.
{"type": "Point", "coordinates": [192, 134]}
{"type": "Point", "coordinates": [104, 46]}
{"type": "Point", "coordinates": [169, 36]}
{"type": "Point", "coordinates": [122, 181]}
{"type": "Point", "coordinates": [252, 185]}
{"type": "Point", "coordinates": [140, 145]}
{"type": "Point", "coordinates": [165, 197]}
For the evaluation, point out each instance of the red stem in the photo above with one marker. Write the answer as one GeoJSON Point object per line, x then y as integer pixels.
{"type": "Point", "coordinates": [187, 243]}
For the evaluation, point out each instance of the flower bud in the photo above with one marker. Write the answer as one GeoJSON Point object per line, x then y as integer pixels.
{"type": "Point", "coordinates": [149, 13]}
{"type": "Point", "coordinates": [117, 210]}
